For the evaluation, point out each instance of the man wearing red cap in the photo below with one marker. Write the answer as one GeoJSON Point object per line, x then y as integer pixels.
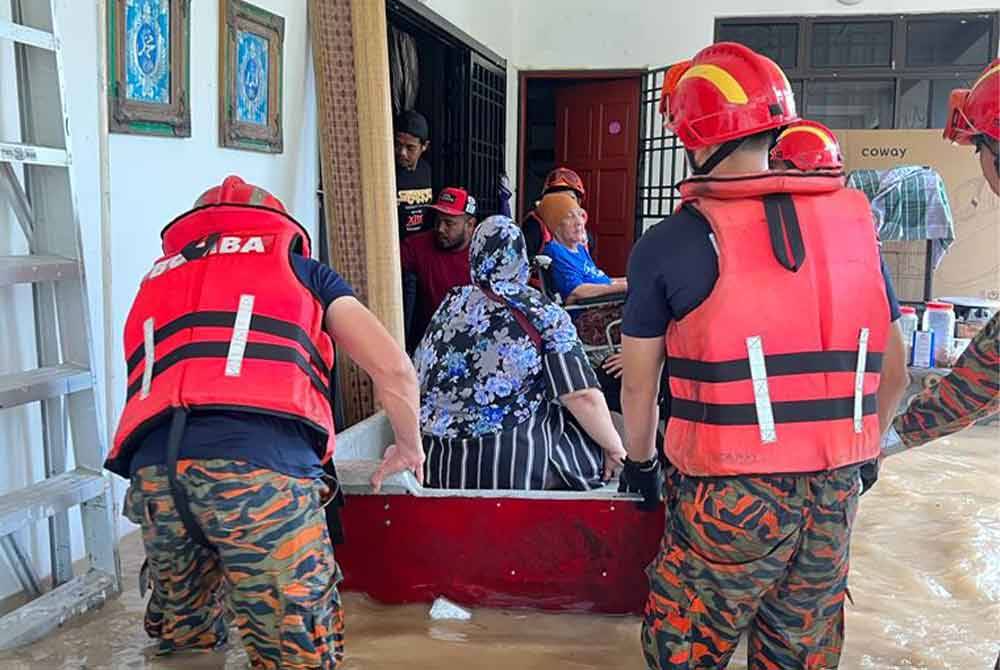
{"type": "Point", "coordinates": [972, 390]}
{"type": "Point", "coordinates": [227, 431]}
{"type": "Point", "coordinates": [766, 296]}
{"type": "Point", "coordinates": [437, 260]}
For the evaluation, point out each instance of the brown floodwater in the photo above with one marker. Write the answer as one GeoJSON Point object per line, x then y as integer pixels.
{"type": "Point", "coordinates": [925, 577]}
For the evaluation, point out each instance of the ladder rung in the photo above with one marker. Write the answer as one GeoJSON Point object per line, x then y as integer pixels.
{"type": "Point", "coordinates": [23, 387]}
{"type": "Point", "coordinates": [25, 153]}
{"type": "Point", "coordinates": [17, 32]}
{"type": "Point", "coordinates": [29, 269]}
{"type": "Point", "coordinates": [41, 616]}
{"type": "Point", "coordinates": [48, 497]}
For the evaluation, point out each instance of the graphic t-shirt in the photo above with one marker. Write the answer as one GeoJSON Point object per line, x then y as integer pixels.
{"type": "Point", "coordinates": [413, 195]}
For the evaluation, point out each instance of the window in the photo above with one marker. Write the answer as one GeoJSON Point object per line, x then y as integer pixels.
{"type": "Point", "coordinates": [852, 44]}
{"type": "Point", "coordinates": [777, 41]}
{"type": "Point", "coordinates": [873, 71]}
{"type": "Point", "coordinates": [850, 104]}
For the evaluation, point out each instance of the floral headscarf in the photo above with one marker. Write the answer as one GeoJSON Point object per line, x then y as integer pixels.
{"type": "Point", "coordinates": [478, 372]}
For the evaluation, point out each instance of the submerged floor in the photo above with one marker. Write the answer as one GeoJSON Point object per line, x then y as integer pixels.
{"type": "Point", "coordinates": [925, 578]}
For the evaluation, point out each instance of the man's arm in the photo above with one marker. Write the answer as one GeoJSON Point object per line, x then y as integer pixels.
{"type": "Point", "coordinates": [894, 379]}
{"type": "Point", "coordinates": [642, 366]}
{"type": "Point", "coordinates": [369, 344]}
{"type": "Point", "coordinates": [585, 291]}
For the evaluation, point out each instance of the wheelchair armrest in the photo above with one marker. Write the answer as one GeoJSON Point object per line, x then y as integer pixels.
{"type": "Point", "coordinates": [542, 261]}
{"type": "Point", "coordinates": [598, 301]}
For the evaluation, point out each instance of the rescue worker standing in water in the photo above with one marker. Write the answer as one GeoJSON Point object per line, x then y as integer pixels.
{"type": "Point", "coordinates": [766, 296]}
{"type": "Point", "coordinates": [227, 429]}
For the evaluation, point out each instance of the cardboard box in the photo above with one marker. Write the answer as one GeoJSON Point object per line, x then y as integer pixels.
{"type": "Point", "coordinates": [972, 265]}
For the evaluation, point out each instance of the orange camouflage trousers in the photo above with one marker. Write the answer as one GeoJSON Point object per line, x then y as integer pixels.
{"type": "Point", "coordinates": [766, 556]}
{"type": "Point", "coordinates": [273, 561]}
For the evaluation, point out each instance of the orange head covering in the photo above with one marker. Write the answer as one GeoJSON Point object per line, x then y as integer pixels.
{"type": "Point", "coordinates": [554, 207]}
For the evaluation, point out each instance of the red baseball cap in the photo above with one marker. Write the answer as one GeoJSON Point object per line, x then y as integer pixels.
{"type": "Point", "coordinates": [455, 201]}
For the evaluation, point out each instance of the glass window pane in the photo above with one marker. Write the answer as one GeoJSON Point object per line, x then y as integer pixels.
{"type": "Point", "coordinates": [797, 88]}
{"type": "Point", "coordinates": [777, 41]}
{"type": "Point", "coordinates": [851, 104]}
{"type": "Point", "coordinates": [852, 43]}
{"type": "Point", "coordinates": [948, 41]}
{"type": "Point", "coordinates": [923, 103]}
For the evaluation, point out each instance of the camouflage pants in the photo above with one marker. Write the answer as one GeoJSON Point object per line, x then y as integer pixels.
{"type": "Point", "coordinates": [763, 555]}
{"type": "Point", "coordinates": [273, 561]}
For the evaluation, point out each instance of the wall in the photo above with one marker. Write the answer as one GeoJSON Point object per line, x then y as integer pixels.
{"type": "Point", "coordinates": [151, 181]}
{"type": "Point", "coordinates": [580, 33]}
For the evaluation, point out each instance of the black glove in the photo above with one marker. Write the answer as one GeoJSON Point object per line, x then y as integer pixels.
{"type": "Point", "coordinates": [645, 478]}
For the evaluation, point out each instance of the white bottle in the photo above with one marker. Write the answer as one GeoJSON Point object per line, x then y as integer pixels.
{"type": "Point", "coordinates": [908, 324]}
{"type": "Point", "coordinates": [939, 318]}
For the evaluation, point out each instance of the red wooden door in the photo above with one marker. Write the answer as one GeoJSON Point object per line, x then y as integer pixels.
{"type": "Point", "coordinates": [597, 130]}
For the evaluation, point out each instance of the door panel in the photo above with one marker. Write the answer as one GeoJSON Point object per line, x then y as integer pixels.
{"type": "Point", "coordinates": [596, 130]}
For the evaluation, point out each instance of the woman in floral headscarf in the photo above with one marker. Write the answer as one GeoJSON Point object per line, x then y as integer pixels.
{"type": "Point", "coordinates": [508, 399]}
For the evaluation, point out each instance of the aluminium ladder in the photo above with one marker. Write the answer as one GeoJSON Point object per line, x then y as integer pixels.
{"type": "Point", "coordinates": [37, 183]}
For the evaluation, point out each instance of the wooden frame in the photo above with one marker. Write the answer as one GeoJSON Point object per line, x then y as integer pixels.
{"type": "Point", "coordinates": [160, 104]}
{"type": "Point", "coordinates": [257, 124]}
{"type": "Point", "coordinates": [524, 76]}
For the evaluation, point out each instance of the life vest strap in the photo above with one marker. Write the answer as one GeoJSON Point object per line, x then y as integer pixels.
{"type": "Point", "coordinates": [796, 411]}
{"type": "Point", "coordinates": [806, 362]}
{"type": "Point", "coordinates": [223, 319]}
{"type": "Point", "coordinates": [254, 350]}
{"type": "Point", "coordinates": [859, 379]}
{"type": "Point", "coordinates": [761, 392]}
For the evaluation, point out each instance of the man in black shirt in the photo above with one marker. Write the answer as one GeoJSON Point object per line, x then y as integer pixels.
{"type": "Point", "coordinates": [413, 175]}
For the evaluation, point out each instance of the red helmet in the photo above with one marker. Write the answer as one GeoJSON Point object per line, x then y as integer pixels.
{"type": "Point", "coordinates": [808, 145]}
{"type": "Point", "coordinates": [728, 91]}
{"type": "Point", "coordinates": [563, 178]}
{"type": "Point", "coordinates": [976, 111]}
{"type": "Point", "coordinates": [235, 191]}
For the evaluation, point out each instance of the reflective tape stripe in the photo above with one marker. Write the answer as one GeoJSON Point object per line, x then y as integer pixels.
{"type": "Point", "coordinates": [148, 336]}
{"type": "Point", "coordinates": [859, 379]}
{"type": "Point", "coordinates": [241, 331]}
{"type": "Point", "coordinates": [761, 393]}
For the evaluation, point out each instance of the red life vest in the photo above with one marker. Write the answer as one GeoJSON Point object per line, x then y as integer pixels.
{"type": "Point", "coordinates": [222, 322]}
{"type": "Point", "coordinates": [776, 371]}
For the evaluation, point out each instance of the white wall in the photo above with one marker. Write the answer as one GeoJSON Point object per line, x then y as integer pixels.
{"type": "Point", "coordinates": [646, 33]}
{"type": "Point", "coordinates": [152, 179]}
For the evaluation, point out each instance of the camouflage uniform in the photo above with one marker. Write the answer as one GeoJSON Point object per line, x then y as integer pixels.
{"type": "Point", "coordinates": [969, 393]}
{"type": "Point", "coordinates": [763, 554]}
{"type": "Point", "coordinates": [273, 560]}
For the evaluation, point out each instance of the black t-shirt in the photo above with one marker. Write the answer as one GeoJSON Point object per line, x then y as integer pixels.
{"type": "Point", "coordinates": [673, 268]}
{"type": "Point", "coordinates": [413, 195]}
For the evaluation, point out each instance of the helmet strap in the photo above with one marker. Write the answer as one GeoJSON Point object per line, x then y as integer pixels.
{"type": "Point", "coordinates": [724, 152]}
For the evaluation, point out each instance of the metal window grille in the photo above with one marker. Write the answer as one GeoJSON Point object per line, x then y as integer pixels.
{"type": "Point", "coordinates": [662, 161]}
{"type": "Point", "coordinates": [487, 128]}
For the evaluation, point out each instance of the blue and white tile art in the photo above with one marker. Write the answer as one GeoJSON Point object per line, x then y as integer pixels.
{"type": "Point", "coordinates": [251, 78]}
{"type": "Point", "coordinates": [147, 51]}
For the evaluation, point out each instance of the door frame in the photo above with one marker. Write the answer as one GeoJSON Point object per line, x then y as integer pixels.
{"type": "Point", "coordinates": [523, 77]}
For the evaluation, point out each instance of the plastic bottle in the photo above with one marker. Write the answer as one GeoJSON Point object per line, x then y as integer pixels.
{"type": "Point", "coordinates": [939, 317]}
{"type": "Point", "coordinates": [908, 324]}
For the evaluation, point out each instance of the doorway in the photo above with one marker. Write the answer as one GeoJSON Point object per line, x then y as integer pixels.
{"type": "Point", "coordinates": [587, 121]}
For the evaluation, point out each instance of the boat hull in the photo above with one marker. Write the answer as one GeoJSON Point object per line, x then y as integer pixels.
{"type": "Point", "coordinates": [580, 555]}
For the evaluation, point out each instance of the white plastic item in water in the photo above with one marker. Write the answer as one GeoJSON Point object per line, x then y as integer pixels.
{"type": "Point", "coordinates": [445, 609]}
{"type": "Point", "coordinates": [939, 318]}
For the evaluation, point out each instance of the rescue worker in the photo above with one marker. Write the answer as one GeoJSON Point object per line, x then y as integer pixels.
{"type": "Point", "coordinates": [227, 432]}
{"type": "Point", "coordinates": [971, 391]}
{"type": "Point", "coordinates": [807, 146]}
{"type": "Point", "coordinates": [559, 180]}
{"type": "Point", "coordinates": [766, 296]}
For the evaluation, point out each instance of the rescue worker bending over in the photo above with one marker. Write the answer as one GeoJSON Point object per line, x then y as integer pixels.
{"type": "Point", "coordinates": [227, 432]}
{"type": "Point", "coordinates": [971, 391]}
{"type": "Point", "coordinates": [766, 295]}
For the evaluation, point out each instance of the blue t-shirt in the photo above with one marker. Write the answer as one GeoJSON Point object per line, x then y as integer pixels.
{"type": "Point", "coordinates": [572, 268]}
{"type": "Point", "coordinates": [283, 445]}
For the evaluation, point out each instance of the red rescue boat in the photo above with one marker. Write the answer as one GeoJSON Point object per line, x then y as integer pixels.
{"type": "Point", "coordinates": [550, 550]}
